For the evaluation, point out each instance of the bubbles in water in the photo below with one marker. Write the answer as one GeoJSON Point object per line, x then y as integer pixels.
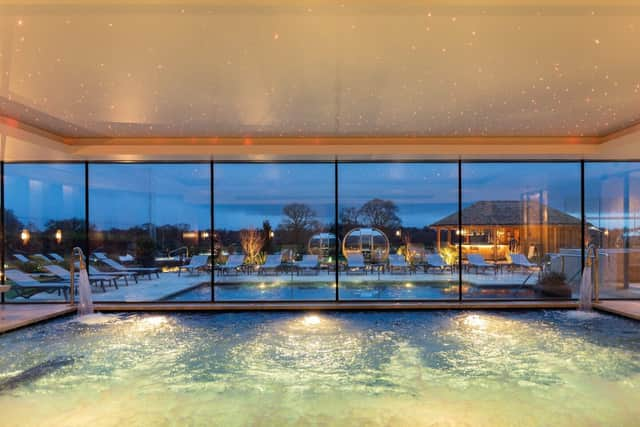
{"type": "Point", "coordinates": [583, 315]}
{"type": "Point", "coordinates": [96, 319]}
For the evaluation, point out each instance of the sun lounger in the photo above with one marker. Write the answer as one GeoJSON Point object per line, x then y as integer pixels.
{"type": "Point", "coordinates": [196, 264]}
{"type": "Point", "coordinates": [41, 258]}
{"type": "Point", "coordinates": [519, 260]}
{"type": "Point", "coordinates": [355, 264]}
{"type": "Point", "coordinates": [436, 261]}
{"type": "Point", "coordinates": [140, 271]}
{"type": "Point", "coordinates": [398, 264]}
{"type": "Point", "coordinates": [64, 274]}
{"type": "Point", "coordinates": [23, 259]}
{"type": "Point", "coordinates": [115, 274]}
{"type": "Point", "coordinates": [57, 258]}
{"type": "Point", "coordinates": [26, 286]}
{"type": "Point", "coordinates": [308, 264]}
{"type": "Point", "coordinates": [271, 264]}
{"type": "Point", "coordinates": [234, 263]}
{"type": "Point", "coordinates": [477, 261]}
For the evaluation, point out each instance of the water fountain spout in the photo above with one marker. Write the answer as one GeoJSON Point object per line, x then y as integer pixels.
{"type": "Point", "coordinates": [85, 305]}
{"type": "Point", "coordinates": [589, 284]}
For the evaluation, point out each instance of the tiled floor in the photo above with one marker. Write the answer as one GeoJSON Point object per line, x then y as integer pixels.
{"type": "Point", "coordinates": [14, 316]}
{"type": "Point", "coordinates": [629, 309]}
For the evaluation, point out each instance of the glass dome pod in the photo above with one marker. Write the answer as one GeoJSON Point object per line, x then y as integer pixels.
{"type": "Point", "coordinates": [322, 244]}
{"type": "Point", "coordinates": [372, 243]}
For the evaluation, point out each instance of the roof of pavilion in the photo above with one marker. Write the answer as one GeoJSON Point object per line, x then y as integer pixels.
{"type": "Point", "coordinates": [508, 212]}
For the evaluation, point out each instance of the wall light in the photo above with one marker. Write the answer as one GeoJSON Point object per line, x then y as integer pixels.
{"type": "Point", "coordinates": [205, 234]}
{"type": "Point", "coordinates": [59, 236]}
{"type": "Point", "coordinates": [25, 236]}
{"type": "Point", "coordinates": [271, 234]}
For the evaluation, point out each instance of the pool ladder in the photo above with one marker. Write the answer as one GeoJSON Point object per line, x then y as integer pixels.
{"type": "Point", "coordinates": [76, 256]}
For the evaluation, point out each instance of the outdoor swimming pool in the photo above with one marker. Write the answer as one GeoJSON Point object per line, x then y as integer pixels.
{"type": "Point", "coordinates": [353, 291]}
{"type": "Point", "coordinates": [334, 368]}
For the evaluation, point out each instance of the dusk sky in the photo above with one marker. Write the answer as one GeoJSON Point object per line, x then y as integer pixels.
{"type": "Point", "coordinates": [123, 195]}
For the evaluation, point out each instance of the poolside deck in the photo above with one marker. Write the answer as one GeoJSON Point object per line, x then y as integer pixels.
{"type": "Point", "coordinates": [630, 309]}
{"type": "Point", "coordinates": [14, 316]}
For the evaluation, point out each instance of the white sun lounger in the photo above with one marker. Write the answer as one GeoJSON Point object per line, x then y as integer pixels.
{"type": "Point", "coordinates": [519, 260]}
{"type": "Point", "coordinates": [271, 264]}
{"type": "Point", "coordinates": [26, 286]}
{"type": "Point", "coordinates": [41, 258]}
{"type": "Point", "coordinates": [398, 263]}
{"type": "Point", "coordinates": [309, 263]}
{"type": "Point", "coordinates": [234, 262]}
{"type": "Point", "coordinates": [140, 271]}
{"type": "Point", "coordinates": [23, 259]}
{"type": "Point", "coordinates": [196, 264]}
{"type": "Point", "coordinates": [355, 264]}
{"type": "Point", "coordinates": [115, 274]}
{"type": "Point", "coordinates": [64, 274]}
{"type": "Point", "coordinates": [477, 261]}
{"type": "Point", "coordinates": [436, 261]}
{"type": "Point", "coordinates": [57, 258]}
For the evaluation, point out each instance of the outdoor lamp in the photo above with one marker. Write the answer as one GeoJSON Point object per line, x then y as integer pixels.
{"type": "Point", "coordinates": [59, 236]}
{"type": "Point", "coordinates": [25, 236]}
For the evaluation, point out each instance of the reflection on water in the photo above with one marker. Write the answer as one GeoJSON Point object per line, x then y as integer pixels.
{"type": "Point", "coordinates": [387, 368]}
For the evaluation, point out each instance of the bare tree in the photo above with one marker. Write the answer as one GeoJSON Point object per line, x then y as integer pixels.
{"type": "Point", "coordinates": [300, 220]}
{"type": "Point", "coordinates": [251, 241]}
{"type": "Point", "coordinates": [380, 213]}
{"type": "Point", "coordinates": [349, 218]}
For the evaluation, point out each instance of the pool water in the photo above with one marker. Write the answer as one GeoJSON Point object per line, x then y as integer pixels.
{"type": "Point", "coordinates": [323, 291]}
{"type": "Point", "coordinates": [337, 368]}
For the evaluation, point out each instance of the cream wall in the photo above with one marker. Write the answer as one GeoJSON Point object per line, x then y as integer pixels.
{"type": "Point", "coordinates": [22, 145]}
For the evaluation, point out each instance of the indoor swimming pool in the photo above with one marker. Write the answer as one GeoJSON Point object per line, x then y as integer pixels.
{"type": "Point", "coordinates": [523, 368]}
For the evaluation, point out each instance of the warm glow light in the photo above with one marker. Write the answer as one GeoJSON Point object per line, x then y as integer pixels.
{"type": "Point", "coordinates": [311, 320]}
{"type": "Point", "coordinates": [475, 321]}
{"type": "Point", "coordinates": [189, 235]}
{"type": "Point", "coordinates": [408, 285]}
{"type": "Point", "coordinates": [398, 233]}
{"type": "Point", "coordinates": [59, 236]}
{"type": "Point", "coordinates": [271, 234]}
{"type": "Point", "coordinates": [25, 236]}
{"type": "Point", "coordinates": [205, 235]}
{"type": "Point", "coordinates": [153, 322]}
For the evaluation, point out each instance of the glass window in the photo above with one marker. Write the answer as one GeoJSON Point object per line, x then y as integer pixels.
{"type": "Point", "coordinates": [151, 229]}
{"type": "Point", "coordinates": [275, 237]}
{"type": "Point", "coordinates": [612, 210]}
{"type": "Point", "coordinates": [390, 244]}
{"type": "Point", "coordinates": [44, 220]}
{"type": "Point", "coordinates": [521, 230]}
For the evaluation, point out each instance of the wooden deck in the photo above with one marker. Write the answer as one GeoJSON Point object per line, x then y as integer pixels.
{"type": "Point", "coordinates": [630, 309]}
{"type": "Point", "coordinates": [14, 316]}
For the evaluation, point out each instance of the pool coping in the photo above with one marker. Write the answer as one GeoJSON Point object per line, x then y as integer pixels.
{"type": "Point", "coordinates": [65, 310]}
{"type": "Point", "coordinates": [335, 306]}
{"type": "Point", "coordinates": [629, 309]}
{"type": "Point", "coordinates": [53, 311]}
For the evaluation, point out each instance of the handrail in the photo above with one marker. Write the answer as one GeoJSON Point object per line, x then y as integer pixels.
{"type": "Point", "coordinates": [75, 253]}
{"type": "Point", "coordinates": [175, 251]}
{"type": "Point", "coordinates": [593, 261]}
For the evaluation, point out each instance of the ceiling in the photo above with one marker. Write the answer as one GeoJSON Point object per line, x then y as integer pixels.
{"type": "Point", "coordinates": [321, 68]}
